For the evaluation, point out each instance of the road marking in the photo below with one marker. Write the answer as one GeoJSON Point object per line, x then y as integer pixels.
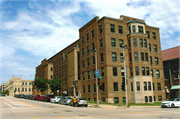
{"type": "Point", "coordinates": [62, 117]}
{"type": "Point", "coordinates": [155, 111]}
{"type": "Point", "coordinates": [123, 113]}
{"type": "Point", "coordinates": [9, 105]}
{"type": "Point", "coordinates": [139, 112]}
{"type": "Point", "coordinates": [25, 103]}
{"type": "Point", "coordinates": [36, 117]}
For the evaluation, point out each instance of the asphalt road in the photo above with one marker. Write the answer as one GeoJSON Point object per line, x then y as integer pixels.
{"type": "Point", "coordinates": [16, 108]}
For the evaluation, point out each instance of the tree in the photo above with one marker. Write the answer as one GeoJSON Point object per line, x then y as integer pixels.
{"type": "Point", "coordinates": [5, 92]}
{"type": "Point", "coordinates": [41, 84]}
{"type": "Point", "coordinates": [55, 84]}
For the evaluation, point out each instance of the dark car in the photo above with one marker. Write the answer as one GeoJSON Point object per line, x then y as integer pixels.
{"type": "Point", "coordinates": [47, 97]}
{"type": "Point", "coordinates": [26, 96]}
{"type": "Point", "coordinates": [29, 97]}
{"type": "Point", "coordinates": [21, 96]}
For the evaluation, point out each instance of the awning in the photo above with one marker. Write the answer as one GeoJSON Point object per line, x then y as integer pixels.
{"type": "Point", "coordinates": [175, 87]}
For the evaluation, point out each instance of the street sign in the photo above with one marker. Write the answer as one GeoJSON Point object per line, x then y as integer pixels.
{"type": "Point", "coordinates": [100, 77]}
{"type": "Point", "coordinates": [97, 72]}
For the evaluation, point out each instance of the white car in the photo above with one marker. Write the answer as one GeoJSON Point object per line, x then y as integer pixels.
{"type": "Point", "coordinates": [174, 103]}
{"type": "Point", "coordinates": [55, 99]}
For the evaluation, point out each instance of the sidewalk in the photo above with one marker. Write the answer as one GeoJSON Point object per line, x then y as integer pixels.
{"type": "Point", "coordinates": [112, 106]}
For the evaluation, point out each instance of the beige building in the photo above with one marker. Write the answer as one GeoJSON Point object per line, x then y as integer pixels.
{"type": "Point", "coordinates": [18, 86]}
{"type": "Point", "coordinates": [76, 64]}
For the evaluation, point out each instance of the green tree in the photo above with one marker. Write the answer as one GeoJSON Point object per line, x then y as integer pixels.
{"type": "Point", "coordinates": [41, 84]}
{"type": "Point", "coordinates": [5, 92]}
{"type": "Point", "coordinates": [55, 84]}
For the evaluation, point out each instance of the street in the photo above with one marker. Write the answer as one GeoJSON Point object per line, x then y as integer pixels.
{"type": "Point", "coordinates": [16, 108]}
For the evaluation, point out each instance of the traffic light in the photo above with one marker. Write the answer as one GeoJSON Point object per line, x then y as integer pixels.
{"type": "Point", "coordinates": [123, 84]}
{"type": "Point", "coordinates": [98, 81]}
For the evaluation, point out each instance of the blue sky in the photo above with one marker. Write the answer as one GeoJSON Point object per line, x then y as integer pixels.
{"type": "Point", "coordinates": [32, 30]}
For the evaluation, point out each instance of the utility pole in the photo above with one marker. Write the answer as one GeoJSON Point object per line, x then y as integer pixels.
{"type": "Point", "coordinates": [125, 46]}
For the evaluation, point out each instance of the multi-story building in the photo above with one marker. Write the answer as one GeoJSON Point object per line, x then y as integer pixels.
{"type": "Point", "coordinates": [76, 64]}
{"type": "Point", "coordinates": [18, 86]}
{"type": "Point", "coordinates": [3, 85]}
{"type": "Point", "coordinates": [170, 58]}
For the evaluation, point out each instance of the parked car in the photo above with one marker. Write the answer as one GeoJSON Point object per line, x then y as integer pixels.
{"type": "Point", "coordinates": [29, 96]}
{"type": "Point", "coordinates": [80, 102]}
{"type": "Point", "coordinates": [47, 97]}
{"type": "Point", "coordinates": [39, 98]}
{"type": "Point", "coordinates": [36, 97]}
{"type": "Point", "coordinates": [26, 96]}
{"type": "Point", "coordinates": [65, 100]}
{"type": "Point", "coordinates": [21, 96]}
{"type": "Point", "coordinates": [55, 99]}
{"type": "Point", "coordinates": [171, 103]}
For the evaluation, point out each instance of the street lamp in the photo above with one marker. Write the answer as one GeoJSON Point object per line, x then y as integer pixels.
{"type": "Point", "coordinates": [92, 51]}
{"type": "Point", "coordinates": [125, 47]}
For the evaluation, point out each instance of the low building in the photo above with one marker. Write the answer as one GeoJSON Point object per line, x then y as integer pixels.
{"type": "Point", "coordinates": [171, 59]}
{"type": "Point", "coordinates": [18, 86]}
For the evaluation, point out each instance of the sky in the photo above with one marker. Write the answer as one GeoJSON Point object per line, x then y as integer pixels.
{"type": "Point", "coordinates": [32, 30]}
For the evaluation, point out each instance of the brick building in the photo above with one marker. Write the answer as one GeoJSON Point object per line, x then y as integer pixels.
{"type": "Point", "coordinates": [76, 64]}
{"type": "Point", "coordinates": [170, 58]}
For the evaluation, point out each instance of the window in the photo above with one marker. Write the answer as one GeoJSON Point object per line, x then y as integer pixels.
{"type": "Point", "coordinates": [149, 85]}
{"type": "Point", "coordinates": [88, 75]}
{"type": "Point", "coordinates": [136, 56]}
{"type": "Point", "coordinates": [138, 86]}
{"type": "Point", "coordinates": [94, 74]}
{"type": "Point", "coordinates": [155, 48]}
{"type": "Point", "coordinates": [120, 29]}
{"type": "Point", "coordinates": [83, 64]}
{"type": "Point", "coordinates": [145, 86]}
{"type": "Point", "coordinates": [103, 87]}
{"type": "Point", "coordinates": [124, 99]}
{"type": "Point", "coordinates": [134, 29]}
{"type": "Point", "coordinates": [101, 43]}
{"type": "Point", "coordinates": [160, 98]}
{"type": "Point", "coordinates": [93, 48]}
{"type": "Point", "coordinates": [92, 32]}
{"type": "Point", "coordinates": [89, 89]}
{"type": "Point", "coordinates": [146, 98]}
{"type": "Point", "coordinates": [114, 56]}
{"type": "Point", "coordinates": [141, 42]}
{"type": "Point", "coordinates": [156, 61]}
{"type": "Point", "coordinates": [113, 42]}
{"type": "Point", "coordinates": [114, 71]}
{"type": "Point", "coordinates": [121, 42]}
{"type": "Point", "coordinates": [83, 52]}
{"type": "Point", "coordinates": [102, 72]}
{"type": "Point", "coordinates": [88, 63]}
{"type": "Point", "coordinates": [146, 55]}
{"type": "Point", "coordinates": [87, 37]}
{"type": "Point", "coordinates": [142, 56]}
{"type": "Point", "coordinates": [159, 86]}
{"type": "Point", "coordinates": [137, 71]}
{"type": "Point", "coordinates": [131, 71]}
{"type": "Point", "coordinates": [29, 89]}
{"type": "Point", "coordinates": [112, 28]}
{"type": "Point", "coordinates": [130, 58]}
{"type": "Point", "coordinates": [135, 44]}
{"type": "Point", "coordinates": [25, 89]}
{"type": "Point", "coordinates": [147, 71]}
{"type": "Point", "coordinates": [83, 89]}
{"type": "Point", "coordinates": [115, 86]}
{"type": "Point", "coordinates": [102, 57]}
{"type": "Point", "coordinates": [121, 57]}
{"type": "Point", "coordinates": [152, 73]}
{"type": "Point", "coordinates": [87, 49]}
{"type": "Point", "coordinates": [157, 74]}
{"type": "Point", "coordinates": [94, 88]}
{"type": "Point", "coordinates": [149, 47]}
{"type": "Point", "coordinates": [83, 40]}
{"type": "Point", "coordinates": [143, 71]}
{"type": "Point", "coordinates": [154, 35]}
{"type": "Point", "coordinates": [131, 86]}
{"type": "Point", "coordinates": [94, 60]}
{"type": "Point", "coordinates": [151, 60]}
{"type": "Point", "coordinates": [129, 42]}
{"type": "Point", "coordinates": [116, 100]}
{"type": "Point", "coordinates": [147, 32]}
{"type": "Point", "coordinates": [145, 43]}
{"type": "Point", "coordinates": [129, 29]}
{"type": "Point", "coordinates": [95, 99]}
{"type": "Point", "coordinates": [154, 98]}
{"type": "Point", "coordinates": [100, 29]}
{"type": "Point", "coordinates": [150, 98]}
{"type": "Point", "coordinates": [122, 72]}
{"type": "Point", "coordinates": [140, 28]}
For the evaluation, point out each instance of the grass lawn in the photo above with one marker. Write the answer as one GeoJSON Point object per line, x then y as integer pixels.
{"type": "Point", "coordinates": [124, 104]}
